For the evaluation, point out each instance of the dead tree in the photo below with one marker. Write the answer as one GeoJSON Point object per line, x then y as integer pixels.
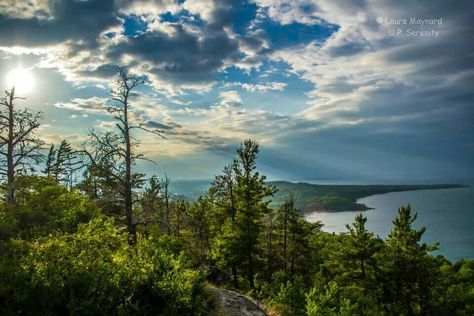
{"type": "Point", "coordinates": [19, 146]}
{"type": "Point", "coordinates": [119, 146]}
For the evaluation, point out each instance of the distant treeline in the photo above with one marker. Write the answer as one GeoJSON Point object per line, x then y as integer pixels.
{"type": "Point", "coordinates": [340, 198]}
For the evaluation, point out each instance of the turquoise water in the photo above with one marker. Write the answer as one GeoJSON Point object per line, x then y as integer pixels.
{"type": "Point", "coordinates": [448, 215]}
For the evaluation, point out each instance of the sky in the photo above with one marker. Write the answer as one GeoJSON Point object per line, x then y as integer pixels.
{"type": "Point", "coordinates": [361, 89]}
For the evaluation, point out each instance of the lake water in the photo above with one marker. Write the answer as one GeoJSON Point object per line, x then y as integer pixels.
{"type": "Point", "coordinates": [447, 214]}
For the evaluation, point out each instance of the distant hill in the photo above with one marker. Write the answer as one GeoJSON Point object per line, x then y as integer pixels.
{"type": "Point", "coordinates": [339, 198]}
{"type": "Point", "coordinates": [312, 197]}
{"type": "Point", "coordinates": [189, 189]}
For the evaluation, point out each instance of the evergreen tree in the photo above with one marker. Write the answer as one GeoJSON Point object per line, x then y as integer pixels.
{"type": "Point", "coordinates": [252, 203]}
{"type": "Point", "coordinates": [152, 204]}
{"type": "Point", "coordinates": [177, 216]}
{"type": "Point", "coordinates": [410, 273]}
{"type": "Point", "coordinates": [223, 195]}
{"type": "Point", "coordinates": [62, 164]}
{"type": "Point", "coordinates": [50, 161]}
{"type": "Point", "coordinates": [294, 234]}
{"type": "Point", "coordinates": [198, 230]}
{"type": "Point", "coordinates": [359, 251]}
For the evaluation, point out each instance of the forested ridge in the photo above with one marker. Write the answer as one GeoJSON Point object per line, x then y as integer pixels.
{"type": "Point", "coordinates": [82, 233]}
{"type": "Point", "coordinates": [311, 197]}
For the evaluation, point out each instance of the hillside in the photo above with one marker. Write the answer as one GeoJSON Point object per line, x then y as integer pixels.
{"type": "Point", "coordinates": [339, 198]}
{"type": "Point", "coordinates": [312, 197]}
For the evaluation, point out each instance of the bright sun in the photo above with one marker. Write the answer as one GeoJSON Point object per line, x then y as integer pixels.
{"type": "Point", "coordinates": [22, 79]}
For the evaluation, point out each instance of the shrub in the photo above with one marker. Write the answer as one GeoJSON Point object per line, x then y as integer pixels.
{"type": "Point", "coordinates": [95, 271]}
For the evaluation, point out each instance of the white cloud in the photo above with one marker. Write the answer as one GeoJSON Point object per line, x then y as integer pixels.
{"type": "Point", "coordinates": [230, 99]}
{"type": "Point", "coordinates": [203, 8]}
{"type": "Point", "coordinates": [150, 8]}
{"type": "Point", "coordinates": [289, 11]}
{"type": "Point", "coordinates": [259, 87]}
{"type": "Point", "coordinates": [90, 105]}
{"type": "Point", "coordinates": [360, 72]}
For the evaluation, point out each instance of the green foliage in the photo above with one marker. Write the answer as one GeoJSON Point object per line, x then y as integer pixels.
{"type": "Point", "coordinates": [347, 283]}
{"type": "Point", "coordinates": [340, 300]}
{"type": "Point", "coordinates": [43, 207]}
{"type": "Point", "coordinates": [62, 163]}
{"type": "Point", "coordinates": [410, 272]}
{"type": "Point", "coordinates": [290, 298]}
{"type": "Point", "coordinates": [198, 234]}
{"type": "Point", "coordinates": [95, 271]}
{"type": "Point", "coordinates": [241, 198]}
{"type": "Point", "coordinates": [251, 192]}
{"type": "Point", "coordinates": [61, 255]}
{"type": "Point", "coordinates": [292, 233]}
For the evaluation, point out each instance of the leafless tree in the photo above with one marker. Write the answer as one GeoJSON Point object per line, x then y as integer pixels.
{"type": "Point", "coordinates": [120, 147]}
{"type": "Point", "coordinates": [19, 146]}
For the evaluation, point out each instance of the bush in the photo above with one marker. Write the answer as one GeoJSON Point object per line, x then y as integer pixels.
{"type": "Point", "coordinates": [44, 207]}
{"type": "Point", "coordinates": [290, 299]}
{"type": "Point", "coordinates": [95, 271]}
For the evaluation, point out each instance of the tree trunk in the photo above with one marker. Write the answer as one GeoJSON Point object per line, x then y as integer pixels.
{"type": "Point", "coordinates": [167, 207]}
{"type": "Point", "coordinates": [285, 259]}
{"type": "Point", "coordinates": [10, 153]}
{"type": "Point", "coordinates": [128, 177]}
{"type": "Point", "coordinates": [232, 210]}
{"type": "Point", "coordinates": [362, 268]}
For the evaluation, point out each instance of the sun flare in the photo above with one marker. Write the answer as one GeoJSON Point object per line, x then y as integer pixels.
{"type": "Point", "coordinates": [22, 79]}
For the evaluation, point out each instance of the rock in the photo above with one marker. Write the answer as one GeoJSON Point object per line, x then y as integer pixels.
{"type": "Point", "coordinates": [231, 303]}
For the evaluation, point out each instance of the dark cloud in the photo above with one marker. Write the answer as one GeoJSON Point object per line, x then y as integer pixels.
{"type": "Point", "coordinates": [103, 71]}
{"type": "Point", "coordinates": [231, 13]}
{"type": "Point", "coordinates": [162, 126]}
{"type": "Point", "coordinates": [67, 20]}
{"type": "Point", "coordinates": [179, 56]}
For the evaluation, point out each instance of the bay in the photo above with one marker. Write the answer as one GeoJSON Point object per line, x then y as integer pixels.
{"type": "Point", "coordinates": [447, 214]}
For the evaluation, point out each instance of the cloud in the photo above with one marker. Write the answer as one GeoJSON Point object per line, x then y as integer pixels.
{"type": "Point", "coordinates": [360, 64]}
{"type": "Point", "coordinates": [53, 22]}
{"type": "Point", "coordinates": [148, 7]}
{"type": "Point", "coordinates": [230, 99]}
{"type": "Point", "coordinates": [162, 126]}
{"type": "Point", "coordinates": [331, 69]}
{"type": "Point", "coordinates": [180, 57]}
{"type": "Point", "coordinates": [25, 9]}
{"type": "Point", "coordinates": [85, 40]}
{"type": "Point", "coordinates": [289, 11]}
{"type": "Point", "coordinates": [216, 13]}
{"type": "Point", "coordinates": [90, 105]}
{"type": "Point", "coordinates": [259, 87]}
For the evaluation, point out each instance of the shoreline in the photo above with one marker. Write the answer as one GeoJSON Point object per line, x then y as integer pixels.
{"type": "Point", "coordinates": [321, 198]}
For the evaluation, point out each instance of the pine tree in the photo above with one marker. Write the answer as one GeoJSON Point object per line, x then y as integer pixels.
{"type": "Point", "coordinates": [223, 195]}
{"type": "Point", "coordinates": [62, 163]}
{"type": "Point", "coordinates": [240, 197]}
{"type": "Point", "coordinates": [409, 270]}
{"type": "Point", "coordinates": [152, 204]}
{"type": "Point", "coordinates": [114, 153]}
{"type": "Point", "coordinates": [50, 161]}
{"type": "Point", "coordinates": [360, 249]}
{"type": "Point", "coordinates": [198, 229]}
{"type": "Point", "coordinates": [252, 203]}
{"type": "Point", "coordinates": [294, 233]}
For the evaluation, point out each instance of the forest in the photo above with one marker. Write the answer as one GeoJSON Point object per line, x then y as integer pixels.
{"type": "Point", "coordinates": [83, 233]}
